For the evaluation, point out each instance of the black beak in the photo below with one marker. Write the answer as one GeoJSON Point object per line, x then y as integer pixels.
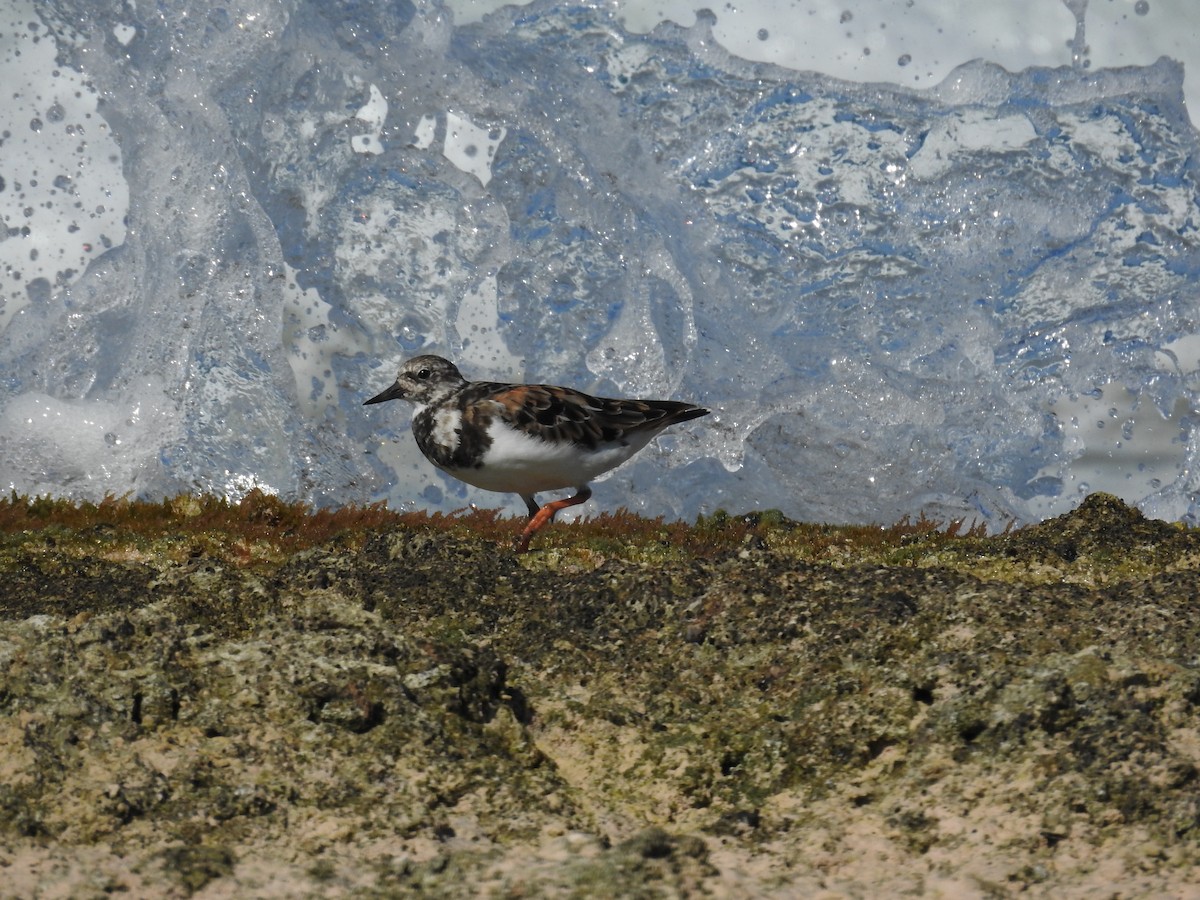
{"type": "Point", "coordinates": [392, 393]}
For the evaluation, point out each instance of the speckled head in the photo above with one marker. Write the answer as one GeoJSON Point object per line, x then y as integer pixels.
{"type": "Point", "coordinates": [422, 380]}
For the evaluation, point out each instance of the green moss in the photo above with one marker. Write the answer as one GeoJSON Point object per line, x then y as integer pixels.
{"type": "Point", "coordinates": [195, 867]}
{"type": "Point", "coordinates": [414, 698]}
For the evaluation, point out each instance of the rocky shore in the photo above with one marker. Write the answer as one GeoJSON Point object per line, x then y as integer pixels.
{"type": "Point", "coordinates": [210, 700]}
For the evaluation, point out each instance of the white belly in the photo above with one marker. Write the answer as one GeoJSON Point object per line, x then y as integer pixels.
{"type": "Point", "coordinates": [519, 464]}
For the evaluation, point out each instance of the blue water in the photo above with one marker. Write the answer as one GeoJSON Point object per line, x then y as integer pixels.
{"type": "Point", "coordinates": [897, 302]}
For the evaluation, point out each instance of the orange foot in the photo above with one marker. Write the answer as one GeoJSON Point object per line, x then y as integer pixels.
{"type": "Point", "coordinates": [547, 514]}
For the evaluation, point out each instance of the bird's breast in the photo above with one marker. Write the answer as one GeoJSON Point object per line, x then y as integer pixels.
{"type": "Point", "coordinates": [437, 430]}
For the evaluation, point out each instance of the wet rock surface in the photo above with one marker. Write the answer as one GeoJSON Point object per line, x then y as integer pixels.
{"type": "Point", "coordinates": [422, 712]}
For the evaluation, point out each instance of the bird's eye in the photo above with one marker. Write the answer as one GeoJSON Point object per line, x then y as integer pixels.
{"type": "Point", "coordinates": [423, 375]}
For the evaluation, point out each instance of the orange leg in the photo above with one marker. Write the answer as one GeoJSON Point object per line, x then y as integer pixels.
{"type": "Point", "coordinates": [539, 517]}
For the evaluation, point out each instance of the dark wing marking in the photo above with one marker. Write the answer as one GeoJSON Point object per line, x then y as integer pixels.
{"type": "Point", "coordinates": [563, 414]}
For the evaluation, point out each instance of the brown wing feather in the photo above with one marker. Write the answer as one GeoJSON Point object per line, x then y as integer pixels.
{"type": "Point", "coordinates": [563, 414]}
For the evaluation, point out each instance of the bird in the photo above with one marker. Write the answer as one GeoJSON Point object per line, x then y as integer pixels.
{"type": "Point", "coordinates": [525, 438]}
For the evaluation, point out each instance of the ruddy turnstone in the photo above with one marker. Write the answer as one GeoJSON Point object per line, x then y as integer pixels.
{"type": "Point", "coordinates": [525, 438]}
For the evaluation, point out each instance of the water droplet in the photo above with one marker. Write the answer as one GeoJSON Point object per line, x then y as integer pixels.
{"type": "Point", "coordinates": [35, 124]}
{"type": "Point", "coordinates": [56, 113]}
{"type": "Point", "coordinates": [846, 17]}
{"type": "Point", "coordinates": [904, 59]}
{"type": "Point", "coordinates": [763, 34]}
{"type": "Point", "coordinates": [1141, 7]}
